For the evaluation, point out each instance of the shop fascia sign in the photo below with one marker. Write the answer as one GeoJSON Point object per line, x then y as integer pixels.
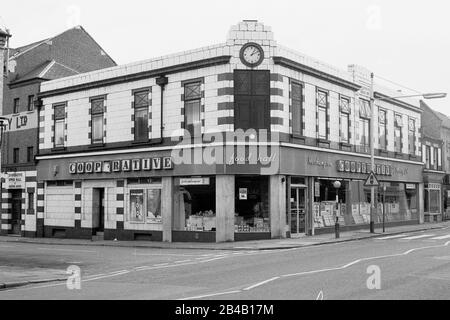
{"type": "Point", "coordinates": [147, 164]}
{"type": "Point", "coordinates": [364, 168]}
{"type": "Point", "coordinates": [194, 181]}
{"type": "Point", "coordinates": [319, 163]}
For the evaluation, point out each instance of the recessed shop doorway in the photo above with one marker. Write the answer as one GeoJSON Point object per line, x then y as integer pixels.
{"type": "Point", "coordinates": [98, 210]}
{"type": "Point", "coordinates": [298, 209]}
{"type": "Point", "coordinates": [16, 211]}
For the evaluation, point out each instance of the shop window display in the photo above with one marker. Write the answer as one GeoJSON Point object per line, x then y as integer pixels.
{"type": "Point", "coordinates": [195, 205]}
{"type": "Point", "coordinates": [351, 203]}
{"type": "Point", "coordinates": [252, 204]}
{"type": "Point", "coordinates": [144, 203]}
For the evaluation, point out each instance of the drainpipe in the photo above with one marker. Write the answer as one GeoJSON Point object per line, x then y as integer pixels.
{"type": "Point", "coordinates": [162, 81]}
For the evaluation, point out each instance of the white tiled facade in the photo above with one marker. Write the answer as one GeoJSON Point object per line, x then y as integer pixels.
{"type": "Point", "coordinates": [119, 97]}
{"type": "Point", "coordinates": [217, 87]}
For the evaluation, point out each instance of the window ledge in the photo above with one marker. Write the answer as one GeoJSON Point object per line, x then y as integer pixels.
{"type": "Point", "coordinates": [97, 145]}
{"type": "Point", "coordinates": [141, 142]}
{"type": "Point", "coordinates": [321, 140]}
{"type": "Point", "coordinates": [345, 144]}
{"type": "Point", "coordinates": [298, 136]}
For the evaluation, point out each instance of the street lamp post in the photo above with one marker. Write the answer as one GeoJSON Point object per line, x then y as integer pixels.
{"type": "Point", "coordinates": [426, 96]}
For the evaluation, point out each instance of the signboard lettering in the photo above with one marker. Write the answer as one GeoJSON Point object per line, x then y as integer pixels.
{"type": "Point", "coordinates": [15, 180]}
{"type": "Point", "coordinates": [159, 163]}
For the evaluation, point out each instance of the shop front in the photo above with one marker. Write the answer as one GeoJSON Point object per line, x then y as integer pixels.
{"type": "Point", "coordinates": [147, 196]}
{"type": "Point", "coordinates": [326, 187]}
{"type": "Point", "coordinates": [434, 200]}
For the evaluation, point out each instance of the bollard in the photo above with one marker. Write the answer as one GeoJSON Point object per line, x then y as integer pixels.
{"type": "Point", "coordinates": [336, 228]}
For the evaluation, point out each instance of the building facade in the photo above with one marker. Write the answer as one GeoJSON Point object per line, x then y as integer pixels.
{"type": "Point", "coordinates": [242, 140]}
{"type": "Point", "coordinates": [69, 53]}
{"type": "Point", "coordinates": [436, 140]}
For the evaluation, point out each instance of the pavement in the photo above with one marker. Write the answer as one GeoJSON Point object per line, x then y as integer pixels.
{"type": "Point", "coordinates": [19, 268]}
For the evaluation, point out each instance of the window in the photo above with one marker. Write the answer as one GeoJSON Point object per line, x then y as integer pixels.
{"type": "Point", "coordinates": [97, 110]}
{"type": "Point", "coordinates": [398, 133]}
{"type": "Point", "coordinates": [16, 105]}
{"type": "Point", "coordinates": [364, 125]}
{"type": "Point", "coordinates": [382, 130]}
{"type": "Point", "coordinates": [322, 104]}
{"type": "Point", "coordinates": [30, 154]}
{"type": "Point", "coordinates": [30, 201]}
{"type": "Point", "coordinates": [60, 119]}
{"type": "Point", "coordinates": [297, 109]}
{"type": "Point", "coordinates": [145, 205]}
{"type": "Point", "coordinates": [30, 106]}
{"type": "Point", "coordinates": [141, 104]}
{"type": "Point", "coordinates": [435, 158]}
{"type": "Point", "coordinates": [412, 137]}
{"type": "Point", "coordinates": [16, 154]}
{"type": "Point", "coordinates": [345, 119]}
{"type": "Point", "coordinates": [192, 108]}
{"type": "Point", "coordinates": [251, 100]}
{"type": "Point", "coordinates": [427, 157]}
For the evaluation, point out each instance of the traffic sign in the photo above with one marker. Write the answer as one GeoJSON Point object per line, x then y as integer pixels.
{"type": "Point", "coordinates": [372, 180]}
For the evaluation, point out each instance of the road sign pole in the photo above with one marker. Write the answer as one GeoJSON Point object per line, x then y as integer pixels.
{"type": "Point", "coordinates": [372, 151]}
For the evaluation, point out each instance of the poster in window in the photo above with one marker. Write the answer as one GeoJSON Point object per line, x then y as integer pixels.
{"type": "Point", "coordinates": [154, 205]}
{"type": "Point", "coordinates": [137, 205]}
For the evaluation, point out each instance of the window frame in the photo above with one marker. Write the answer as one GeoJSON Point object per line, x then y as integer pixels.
{"type": "Point", "coordinates": [190, 100]}
{"type": "Point", "coordinates": [427, 157]}
{"type": "Point", "coordinates": [30, 156]}
{"type": "Point", "coordinates": [30, 106]}
{"type": "Point", "coordinates": [383, 142]}
{"type": "Point", "coordinates": [16, 105]}
{"type": "Point", "coordinates": [16, 155]}
{"type": "Point", "coordinates": [58, 120]}
{"type": "Point", "coordinates": [362, 132]}
{"type": "Point", "coordinates": [297, 103]}
{"type": "Point", "coordinates": [95, 114]}
{"type": "Point", "coordinates": [398, 126]}
{"type": "Point", "coordinates": [412, 133]}
{"type": "Point", "coordinates": [141, 108]}
{"type": "Point", "coordinates": [322, 108]}
{"type": "Point", "coordinates": [144, 190]}
{"type": "Point", "coordinates": [344, 114]}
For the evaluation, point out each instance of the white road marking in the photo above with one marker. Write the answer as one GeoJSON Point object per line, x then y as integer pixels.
{"type": "Point", "coordinates": [161, 265]}
{"type": "Point", "coordinates": [182, 261]}
{"type": "Point", "coordinates": [392, 237]}
{"type": "Point", "coordinates": [441, 238]}
{"type": "Point", "coordinates": [69, 250]}
{"type": "Point", "coordinates": [260, 283]}
{"type": "Point", "coordinates": [322, 270]}
{"type": "Point", "coordinates": [212, 295]}
{"type": "Point", "coordinates": [166, 254]}
{"type": "Point", "coordinates": [418, 237]}
{"type": "Point", "coordinates": [143, 267]}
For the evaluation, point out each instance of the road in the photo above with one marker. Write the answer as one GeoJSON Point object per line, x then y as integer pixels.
{"type": "Point", "coordinates": [410, 266]}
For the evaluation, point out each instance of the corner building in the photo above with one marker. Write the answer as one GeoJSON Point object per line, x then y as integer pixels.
{"type": "Point", "coordinates": [110, 144]}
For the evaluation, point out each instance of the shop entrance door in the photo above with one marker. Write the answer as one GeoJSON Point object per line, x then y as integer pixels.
{"type": "Point", "coordinates": [16, 211]}
{"type": "Point", "coordinates": [98, 212]}
{"type": "Point", "coordinates": [298, 210]}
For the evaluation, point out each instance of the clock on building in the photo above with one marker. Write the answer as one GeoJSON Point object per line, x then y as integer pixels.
{"type": "Point", "coordinates": [252, 54]}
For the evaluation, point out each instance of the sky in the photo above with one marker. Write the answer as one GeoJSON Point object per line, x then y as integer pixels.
{"type": "Point", "coordinates": [404, 42]}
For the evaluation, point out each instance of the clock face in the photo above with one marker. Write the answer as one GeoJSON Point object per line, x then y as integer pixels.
{"type": "Point", "coordinates": [252, 55]}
